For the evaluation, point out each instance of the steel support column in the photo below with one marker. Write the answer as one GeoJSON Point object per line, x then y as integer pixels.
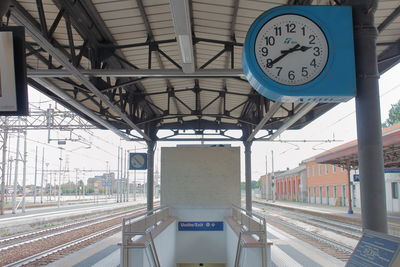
{"type": "Point", "coordinates": [350, 210]}
{"type": "Point", "coordinates": [369, 132]}
{"type": "Point", "coordinates": [150, 174]}
{"type": "Point", "coordinates": [247, 160]}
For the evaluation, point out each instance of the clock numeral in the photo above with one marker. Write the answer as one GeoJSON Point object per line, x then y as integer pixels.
{"type": "Point", "coordinates": [278, 31]}
{"type": "Point", "coordinates": [313, 63]}
{"type": "Point", "coordinates": [291, 75]}
{"type": "Point", "coordinates": [291, 27]}
{"type": "Point", "coordinates": [304, 71]}
{"type": "Point", "coordinates": [269, 63]}
{"type": "Point", "coordinates": [264, 51]}
{"type": "Point", "coordinates": [316, 51]}
{"type": "Point", "coordinates": [279, 70]}
{"type": "Point", "coordinates": [312, 39]}
{"type": "Point", "coordinates": [303, 29]}
{"type": "Point", "coordinates": [270, 40]}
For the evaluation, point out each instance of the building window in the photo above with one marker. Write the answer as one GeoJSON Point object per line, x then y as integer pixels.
{"type": "Point", "coordinates": [335, 191]}
{"type": "Point", "coordinates": [319, 169]}
{"type": "Point", "coordinates": [326, 168]}
{"type": "Point", "coordinates": [327, 192]}
{"type": "Point", "coordinates": [308, 172]}
{"type": "Point", "coordinates": [333, 168]}
{"type": "Point", "coordinates": [313, 171]}
{"type": "Point", "coordinates": [395, 191]}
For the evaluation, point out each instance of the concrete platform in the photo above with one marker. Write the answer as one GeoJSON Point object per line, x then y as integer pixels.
{"type": "Point", "coordinates": [325, 209]}
{"type": "Point", "coordinates": [103, 253]}
{"type": "Point", "coordinates": [11, 223]}
{"type": "Point", "coordinates": [290, 251]}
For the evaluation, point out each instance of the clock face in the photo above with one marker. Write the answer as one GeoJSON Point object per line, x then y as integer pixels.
{"type": "Point", "coordinates": [291, 49]}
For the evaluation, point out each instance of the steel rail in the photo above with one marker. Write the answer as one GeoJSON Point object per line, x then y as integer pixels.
{"type": "Point", "coordinates": [57, 233]}
{"type": "Point", "coordinates": [26, 235]}
{"type": "Point", "coordinates": [337, 223]}
{"type": "Point", "coordinates": [48, 252]}
{"type": "Point", "coordinates": [319, 238]}
{"type": "Point", "coordinates": [51, 251]}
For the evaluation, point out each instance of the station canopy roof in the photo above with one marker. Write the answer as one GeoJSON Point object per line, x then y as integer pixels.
{"type": "Point", "coordinates": [119, 64]}
{"type": "Point", "coordinates": [347, 154]}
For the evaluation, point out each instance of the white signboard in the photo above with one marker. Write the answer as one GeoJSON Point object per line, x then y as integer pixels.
{"type": "Point", "coordinates": [8, 95]}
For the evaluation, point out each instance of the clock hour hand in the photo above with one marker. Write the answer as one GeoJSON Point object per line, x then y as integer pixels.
{"type": "Point", "coordinates": [302, 48]}
{"type": "Point", "coordinates": [284, 54]}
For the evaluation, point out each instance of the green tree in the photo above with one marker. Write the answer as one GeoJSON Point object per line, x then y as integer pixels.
{"type": "Point", "coordinates": [394, 115]}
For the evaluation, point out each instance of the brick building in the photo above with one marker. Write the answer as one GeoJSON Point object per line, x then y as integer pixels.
{"type": "Point", "coordinates": [327, 177]}
{"type": "Point", "coordinates": [291, 184]}
{"type": "Point", "coordinates": [326, 184]}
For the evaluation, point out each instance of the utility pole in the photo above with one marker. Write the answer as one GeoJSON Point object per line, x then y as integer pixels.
{"type": "Point", "coordinates": [24, 174]}
{"type": "Point", "coordinates": [266, 179]}
{"type": "Point", "coordinates": [51, 186]}
{"type": "Point", "coordinates": [273, 177]}
{"type": "Point", "coordinates": [59, 179]}
{"type": "Point", "coordinates": [3, 167]}
{"type": "Point", "coordinates": [118, 181]}
{"type": "Point", "coordinates": [14, 197]}
{"type": "Point", "coordinates": [11, 160]}
{"type": "Point", "coordinates": [41, 180]}
{"type": "Point", "coordinates": [134, 182]}
{"type": "Point", "coordinates": [34, 186]}
{"type": "Point", "coordinates": [122, 175]}
{"type": "Point", "coordinates": [126, 179]}
{"type": "Point", "coordinates": [127, 185]}
{"type": "Point", "coordinates": [76, 182]}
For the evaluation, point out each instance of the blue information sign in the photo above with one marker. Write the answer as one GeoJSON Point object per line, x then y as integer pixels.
{"type": "Point", "coordinates": [375, 249]}
{"type": "Point", "coordinates": [200, 226]}
{"type": "Point", "coordinates": [137, 161]}
{"type": "Point", "coordinates": [356, 177]}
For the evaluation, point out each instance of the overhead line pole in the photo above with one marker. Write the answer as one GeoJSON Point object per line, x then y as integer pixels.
{"type": "Point", "coordinates": [24, 174]}
{"type": "Point", "coordinates": [35, 180]}
{"type": "Point", "coordinates": [14, 197]}
{"type": "Point", "coordinates": [41, 180]}
{"type": "Point", "coordinates": [3, 168]}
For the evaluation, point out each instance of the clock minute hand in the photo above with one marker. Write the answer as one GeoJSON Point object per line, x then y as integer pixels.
{"type": "Point", "coordinates": [284, 54]}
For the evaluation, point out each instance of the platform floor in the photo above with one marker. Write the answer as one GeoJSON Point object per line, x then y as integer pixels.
{"type": "Point", "coordinates": [105, 253]}
{"type": "Point", "coordinates": [286, 251]}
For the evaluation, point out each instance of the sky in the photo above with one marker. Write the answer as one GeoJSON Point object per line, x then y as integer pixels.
{"type": "Point", "coordinates": [333, 128]}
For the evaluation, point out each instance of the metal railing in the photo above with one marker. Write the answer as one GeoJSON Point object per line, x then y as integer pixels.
{"type": "Point", "coordinates": [253, 225]}
{"type": "Point", "coordinates": [142, 225]}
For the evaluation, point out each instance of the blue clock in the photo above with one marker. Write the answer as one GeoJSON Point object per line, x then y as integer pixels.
{"type": "Point", "coordinates": [302, 54]}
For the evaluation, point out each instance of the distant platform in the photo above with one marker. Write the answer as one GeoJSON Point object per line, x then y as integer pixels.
{"type": "Point", "coordinates": [39, 216]}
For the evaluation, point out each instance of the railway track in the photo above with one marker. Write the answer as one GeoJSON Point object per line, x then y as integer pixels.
{"type": "Point", "coordinates": [9, 242]}
{"type": "Point", "coordinates": [42, 247]}
{"type": "Point", "coordinates": [333, 237]}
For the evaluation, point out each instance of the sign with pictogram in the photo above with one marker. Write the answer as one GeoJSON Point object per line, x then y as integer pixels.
{"type": "Point", "coordinates": [137, 161]}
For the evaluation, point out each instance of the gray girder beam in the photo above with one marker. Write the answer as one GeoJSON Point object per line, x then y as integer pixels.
{"type": "Point", "coordinates": [303, 110]}
{"type": "Point", "coordinates": [19, 18]}
{"type": "Point", "coordinates": [138, 73]}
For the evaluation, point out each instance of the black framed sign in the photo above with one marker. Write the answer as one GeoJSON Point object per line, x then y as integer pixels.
{"type": "Point", "coordinates": [13, 79]}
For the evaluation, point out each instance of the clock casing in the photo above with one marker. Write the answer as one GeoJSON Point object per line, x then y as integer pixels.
{"type": "Point", "coordinates": [312, 50]}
